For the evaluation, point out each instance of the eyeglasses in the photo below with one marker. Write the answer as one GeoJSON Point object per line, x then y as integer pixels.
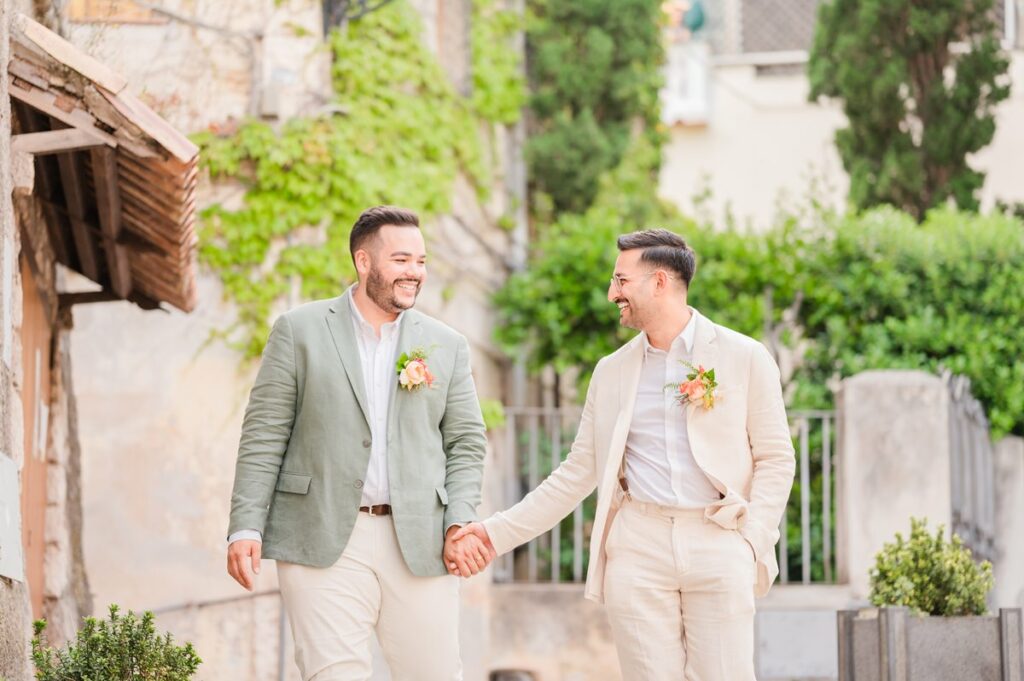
{"type": "Point", "coordinates": [618, 281]}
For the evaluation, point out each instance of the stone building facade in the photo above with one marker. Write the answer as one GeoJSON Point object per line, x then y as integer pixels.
{"type": "Point", "coordinates": [74, 146]}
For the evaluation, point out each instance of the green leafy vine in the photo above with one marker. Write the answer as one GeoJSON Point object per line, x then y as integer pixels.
{"type": "Point", "coordinates": [398, 133]}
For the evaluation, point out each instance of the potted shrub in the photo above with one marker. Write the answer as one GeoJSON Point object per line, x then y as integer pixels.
{"type": "Point", "coordinates": [930, 622]}
{"type": "Point", "coordinates": [122, 648]}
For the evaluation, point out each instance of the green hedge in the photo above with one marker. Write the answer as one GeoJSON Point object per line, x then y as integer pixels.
{"type": "Point", "coordinates": [870, 290]}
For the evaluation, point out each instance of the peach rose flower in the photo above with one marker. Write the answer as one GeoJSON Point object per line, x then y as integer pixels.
{"type": "Point", "coordinates": [694, 390]}
{"type": "Point", "coordinates": [415, 372]}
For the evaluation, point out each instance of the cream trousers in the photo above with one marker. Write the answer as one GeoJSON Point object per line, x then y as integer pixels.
{"type": "Point", "coordinates": [679, 592]}
{"type": "Point", "coordinates": [334, 611]}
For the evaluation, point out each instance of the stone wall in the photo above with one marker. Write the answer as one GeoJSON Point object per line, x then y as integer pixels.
{"type": "Point", "coordinates": [1009, 496]}
{"type": "Point", "coordinates": [894, 464]}
{"type": "Point", "coordinates": [15, 624]}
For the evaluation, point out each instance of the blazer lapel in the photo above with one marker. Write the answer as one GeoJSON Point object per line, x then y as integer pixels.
{"type": "Point", "coordinates": [410, 335]}
{"type": "Point", "coordinates": [629, 381]}
{"type": "Point", "coordinates": [704, 354]}
{"type": "Point", "coordinates": [339, 322]}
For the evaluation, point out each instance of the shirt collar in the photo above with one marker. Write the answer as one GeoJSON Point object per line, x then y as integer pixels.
{"type": "Point", "coordinates": [361, 322]}
{"type": "Point", "coordinates": [686, 337]}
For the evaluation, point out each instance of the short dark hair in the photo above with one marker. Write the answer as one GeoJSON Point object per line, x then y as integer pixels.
{"type": "Point", "coordinates": [663, 249]}
{"type": "Point", "coordinates": [372, 219]}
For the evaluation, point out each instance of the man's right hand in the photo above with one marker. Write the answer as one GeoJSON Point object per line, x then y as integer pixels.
{"type": "Point", "coordinates": [240, 553]}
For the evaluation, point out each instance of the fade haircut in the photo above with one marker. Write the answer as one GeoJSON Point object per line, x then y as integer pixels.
{"type": "Point", "coordinates": [662, 249]}
{"type": "Point", "coordinates": [372, 219]}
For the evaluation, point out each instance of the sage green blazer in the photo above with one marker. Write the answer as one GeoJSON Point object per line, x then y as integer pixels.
{"type": "Point", "coordinates": [305, 443]}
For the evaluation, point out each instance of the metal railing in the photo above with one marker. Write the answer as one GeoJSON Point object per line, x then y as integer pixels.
{"type": "Point", "coordinates": [536, 440]}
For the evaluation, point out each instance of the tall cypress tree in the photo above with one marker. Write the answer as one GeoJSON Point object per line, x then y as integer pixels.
{"type": "Point", "coordinates": [594, 78]}
{"type": "Point", "coordinates": [918, 81]}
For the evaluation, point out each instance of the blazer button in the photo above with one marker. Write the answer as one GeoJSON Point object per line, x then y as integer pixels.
{"type": "Point", "coordinates": [367, 443]}
{"type": "Point", "coordinates": [358, 484]}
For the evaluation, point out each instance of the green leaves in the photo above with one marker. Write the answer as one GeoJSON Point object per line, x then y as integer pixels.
{"type": "Point", "coordinates": [930, 575]}
{"type": "Point", "coordinates": [499, 84]}
{"type": "Point", "coordinates": [402, 361]}
{"type": "Point", "coordinates": [911, 128]}
{"type": "Point", "coordinates": [123, 647]}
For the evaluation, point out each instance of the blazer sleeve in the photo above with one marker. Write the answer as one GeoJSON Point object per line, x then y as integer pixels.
{"type": "Point", "coordinates": [772, 451]}
{"type": "Point", "coordinates": [266, 429]}
{"type": "Point", "coordinates": [465, 443]}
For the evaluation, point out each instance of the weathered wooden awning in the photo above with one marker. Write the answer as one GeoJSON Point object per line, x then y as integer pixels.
{"type": "Point", "coordinates": [117, 183]}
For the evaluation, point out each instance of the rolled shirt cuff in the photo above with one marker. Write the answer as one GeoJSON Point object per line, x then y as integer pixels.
{"type": "Point", "coordinates": [253, 535]}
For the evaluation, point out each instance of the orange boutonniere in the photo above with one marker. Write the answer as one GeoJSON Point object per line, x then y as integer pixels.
{"type": "Point", "coordinates": [413, 372]}
{"type": "Point", "coordinates": [699, 387]}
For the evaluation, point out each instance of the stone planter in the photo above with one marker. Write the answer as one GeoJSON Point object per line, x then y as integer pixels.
{"type": "Point", "coordinates": [890, 644]}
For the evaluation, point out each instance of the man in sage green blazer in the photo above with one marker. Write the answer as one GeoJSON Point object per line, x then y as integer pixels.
{"type": "Point", "coordinates": [361, 449]}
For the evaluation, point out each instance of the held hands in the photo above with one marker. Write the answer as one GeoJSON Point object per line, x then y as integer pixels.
{"type": "Point", "coordinates": [467, 550]}
{"type": "Point", "coordinates": [239, 554]}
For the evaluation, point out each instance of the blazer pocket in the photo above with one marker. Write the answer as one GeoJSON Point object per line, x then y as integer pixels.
{"type": "Point", "coordinates": [293, 483]}
{"type": "Point", "coordinates": [442, 494]}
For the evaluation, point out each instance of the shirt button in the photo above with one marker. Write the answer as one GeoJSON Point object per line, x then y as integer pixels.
{"type": "Point", "coordinates": [366, 443]}
{"type": "Point", "coordinates": [358, 484]}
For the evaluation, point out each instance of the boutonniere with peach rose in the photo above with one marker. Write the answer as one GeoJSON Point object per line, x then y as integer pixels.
{"type": "Point", "coordinates": [413, 372]}
{"type": "Point", "coordinates": [699, 387]}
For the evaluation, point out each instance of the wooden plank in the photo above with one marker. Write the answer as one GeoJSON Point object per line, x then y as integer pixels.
{"type": "Point", "coordinates": [51, 105]}
{"type": "Point", "coordinates": [53, 141]}
{"type": "Point", "coordinates": [108, 205]}
{"type": "Point", "coordinates": [73, 182]}
{"type": "Point", "coordinates": [67, 54]}
{"type": "Point", "coordinates": [149, 122]}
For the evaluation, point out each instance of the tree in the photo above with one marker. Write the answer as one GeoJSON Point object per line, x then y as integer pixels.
{"type": "Point", "coordinates": [918, 81]}
{"type": "Point", "coordinates": [594, 73]}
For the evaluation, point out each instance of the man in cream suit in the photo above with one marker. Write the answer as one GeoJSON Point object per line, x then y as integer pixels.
{"type": "Point", "coordinates": [690, 494]}
{"type": "Point", "coordinates": [362, 449]}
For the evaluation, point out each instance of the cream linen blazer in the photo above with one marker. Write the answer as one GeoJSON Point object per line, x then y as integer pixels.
{"type": "Point", "coordinates": [742, 444]}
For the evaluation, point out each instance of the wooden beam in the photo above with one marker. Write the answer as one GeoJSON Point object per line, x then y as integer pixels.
{"type": "Point", "coordinates": [53, 141]}
{"type": "Point", "coordinates": [73, 183]}
{"type": "Point", "coordinates": [108, 205]}
{"type": "Point", "coordinates": [45, 184]}
{"type": "Point", "coordinates": [67, 300]}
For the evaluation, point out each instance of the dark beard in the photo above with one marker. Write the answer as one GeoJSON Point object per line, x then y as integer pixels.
{"type": "Point", "coordinates": [382, 292]}
{"type": "Point", "coordinates": [633, 322]}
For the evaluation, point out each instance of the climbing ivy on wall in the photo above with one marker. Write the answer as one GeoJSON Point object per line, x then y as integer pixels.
{"type": "Point", "coordinates": [398, 133]}
{"type": "Point", "coordinates": [499, 83]}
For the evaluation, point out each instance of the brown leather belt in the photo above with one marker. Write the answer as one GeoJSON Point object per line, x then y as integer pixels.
{"type": "Point", "coordinates": [379, 509]}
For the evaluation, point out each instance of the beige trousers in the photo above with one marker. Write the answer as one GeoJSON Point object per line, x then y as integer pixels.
{"type": "Point", "coordinates": [334, 611]}
{"type": "Point", "coordinates": [679, 592]}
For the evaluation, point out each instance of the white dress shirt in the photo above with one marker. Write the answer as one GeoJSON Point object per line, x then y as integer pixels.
{"type": "Point", "coordinates": [377, 358]}
{"type": "Point", "coordinates": [659, 464]}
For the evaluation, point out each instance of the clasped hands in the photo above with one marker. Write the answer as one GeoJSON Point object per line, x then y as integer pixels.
{"type": "Point", "coordinates": [467, 550]}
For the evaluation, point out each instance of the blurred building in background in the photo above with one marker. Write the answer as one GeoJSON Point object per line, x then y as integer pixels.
{"type": "Point", "coordinates": [744, 140]}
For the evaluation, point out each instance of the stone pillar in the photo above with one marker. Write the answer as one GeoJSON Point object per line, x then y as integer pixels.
{"type": "Point", "coordinates": [894, 464]}
{"type": "Point", "coordinates": [1008, 564]}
